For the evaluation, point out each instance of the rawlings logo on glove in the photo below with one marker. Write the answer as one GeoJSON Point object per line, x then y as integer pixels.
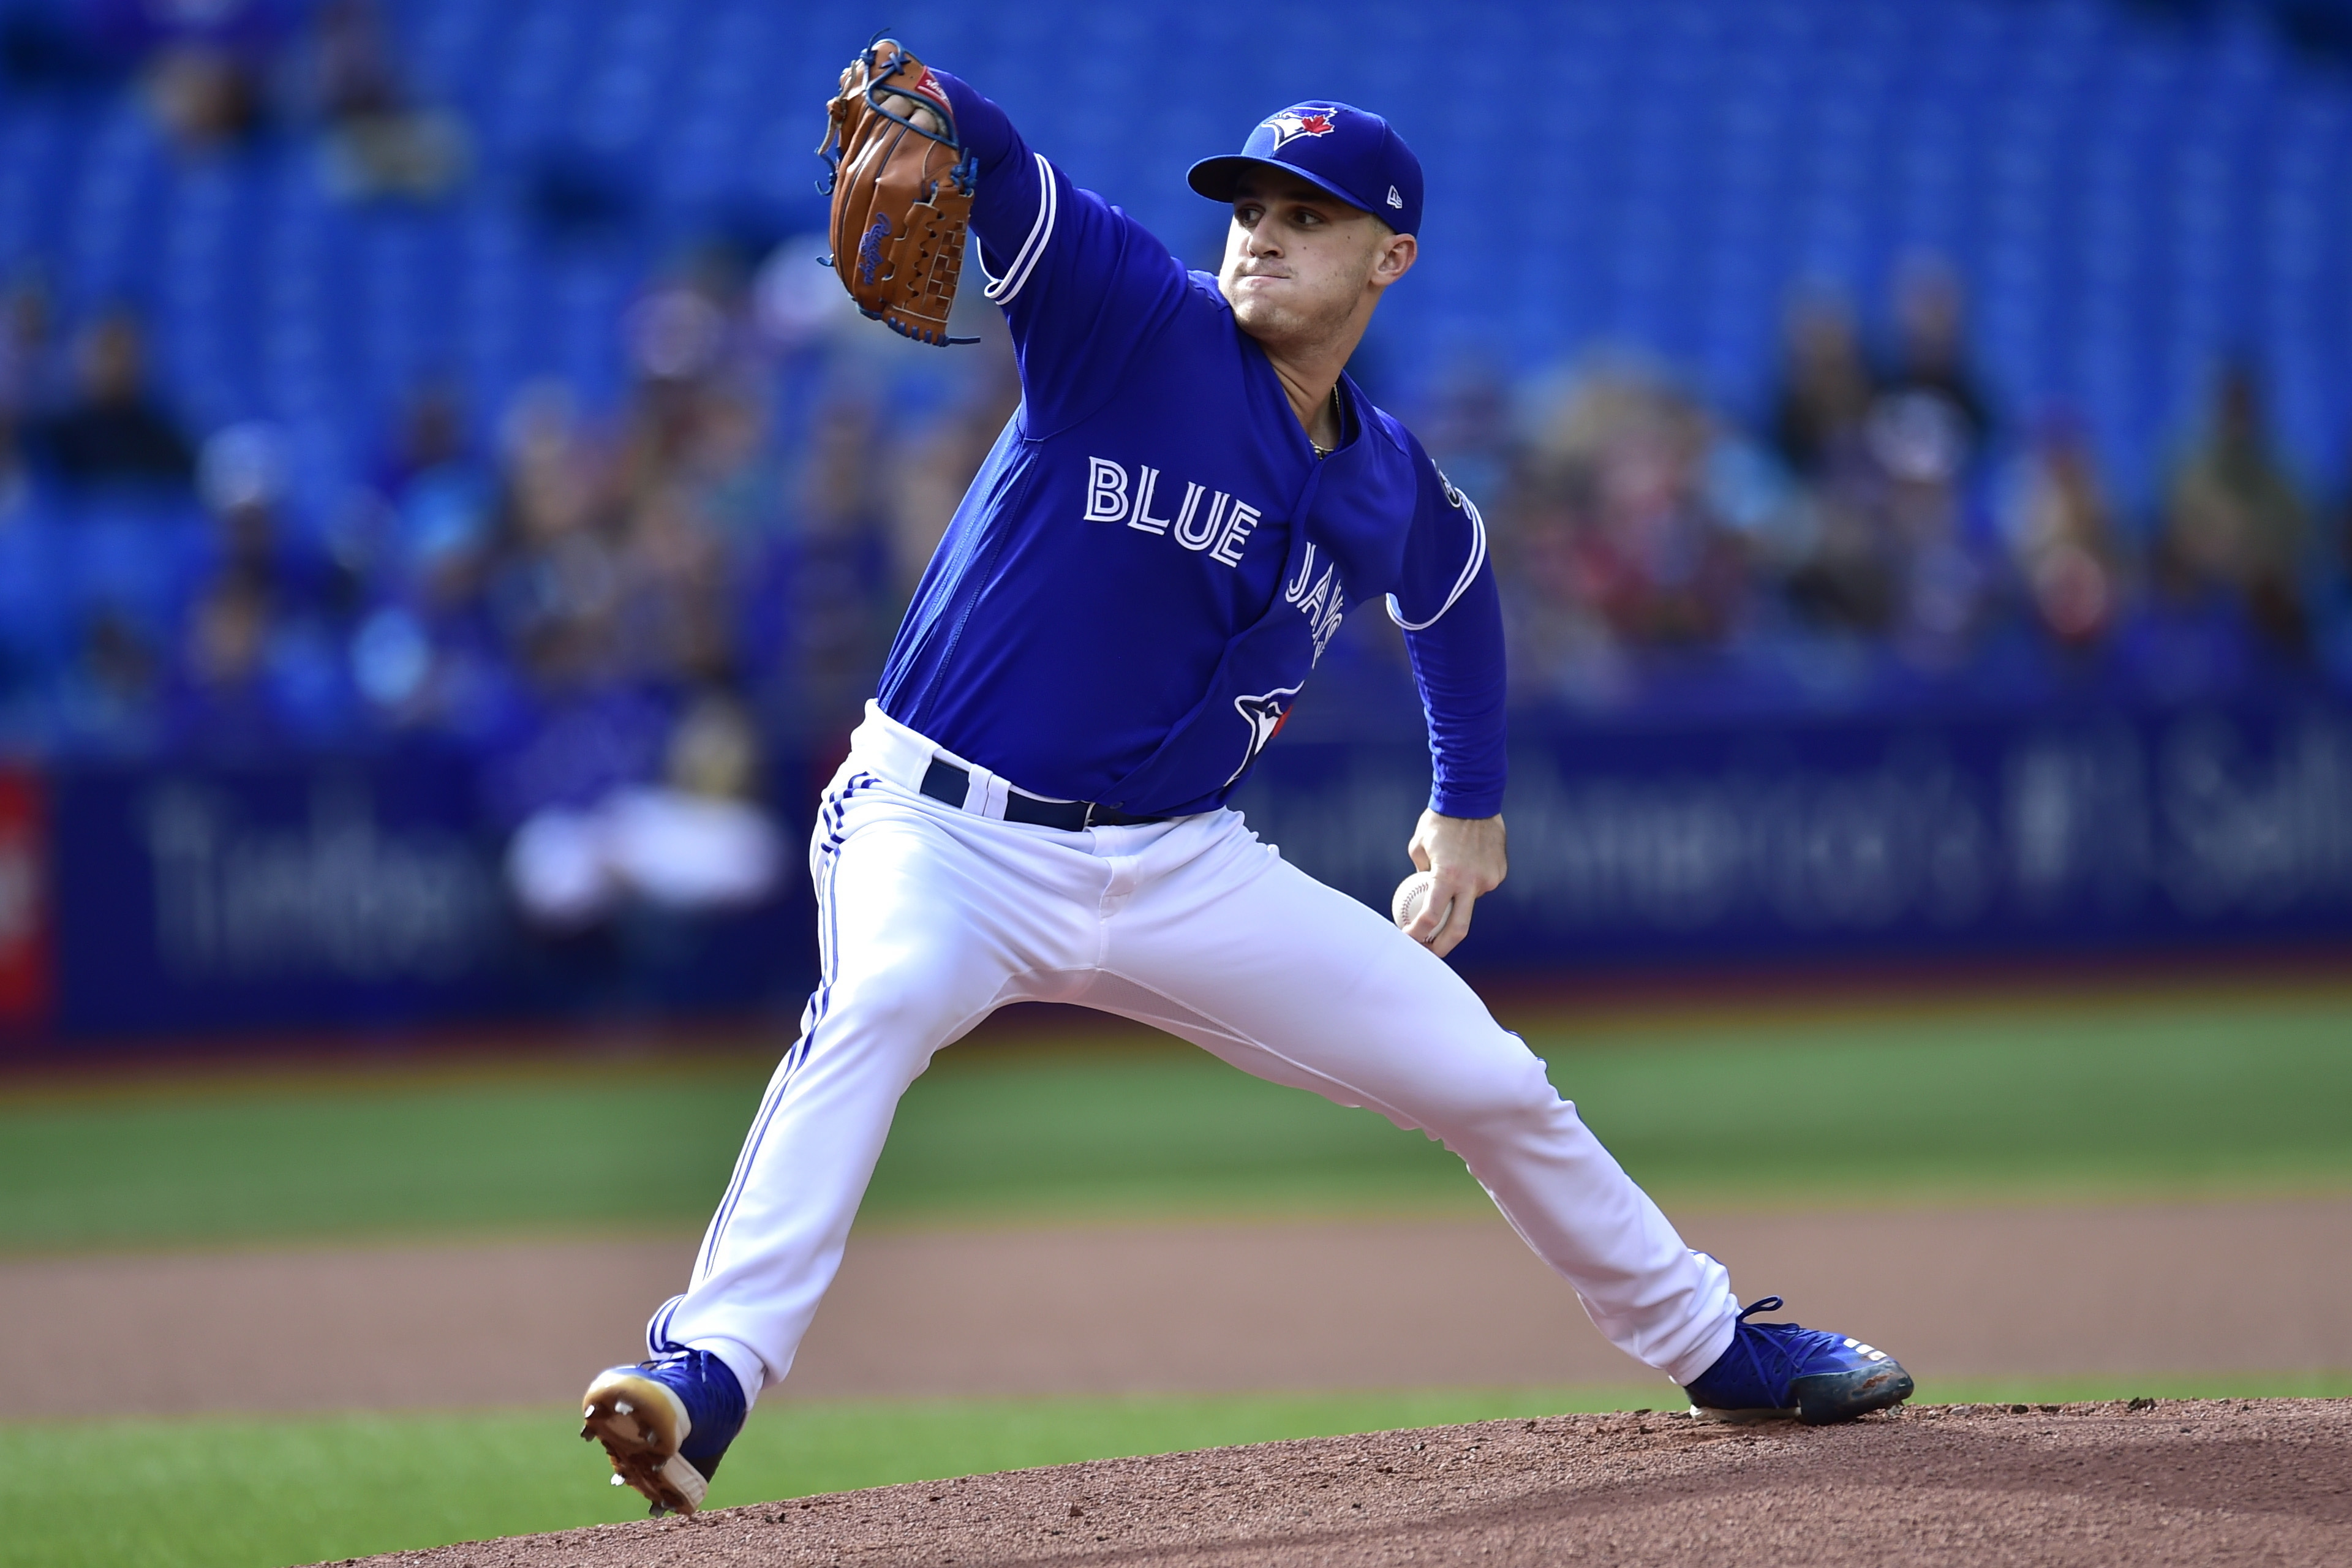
{"type": "Point", "coordinates": [901, 183]}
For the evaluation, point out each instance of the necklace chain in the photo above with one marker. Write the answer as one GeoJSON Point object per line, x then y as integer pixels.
{"type": "Point", "coordinates": [1338, 417]}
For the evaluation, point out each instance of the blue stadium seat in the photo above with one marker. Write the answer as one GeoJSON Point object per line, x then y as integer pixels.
{"type": "Point", "coordinates": [2128, 195]}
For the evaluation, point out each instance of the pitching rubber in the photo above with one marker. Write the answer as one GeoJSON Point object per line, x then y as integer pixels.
{"type": "Point", "coordinates": [641, 1424]}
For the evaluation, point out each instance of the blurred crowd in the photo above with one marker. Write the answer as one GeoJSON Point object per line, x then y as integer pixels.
{"type": "Point", "coordinates": [593, 602]}
{"type": "Point", "coordinates": [1887, 534]}
{"type": "Point", "coordinates": [218, 73]}
{"type": "Point", "coordinates": [668, 594]}
{"type": "Point", "coordinates": [571, 590]}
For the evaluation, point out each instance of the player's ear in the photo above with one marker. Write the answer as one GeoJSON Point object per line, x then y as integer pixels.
{"type": "Point", "coordinates": [1393, 257]}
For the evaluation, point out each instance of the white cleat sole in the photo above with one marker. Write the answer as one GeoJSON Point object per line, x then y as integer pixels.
{"type": "Point", "coordinates": [1743, 1417]}
{"type": "Point", "coordinates": [641, 1424]}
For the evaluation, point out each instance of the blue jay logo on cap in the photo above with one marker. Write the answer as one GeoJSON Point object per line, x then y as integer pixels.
{"type": "Point", "coordinates": [1307, 119]}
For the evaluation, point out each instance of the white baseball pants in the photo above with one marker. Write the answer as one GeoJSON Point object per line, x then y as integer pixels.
{"type": "Point", "coordinates": [932, 917]}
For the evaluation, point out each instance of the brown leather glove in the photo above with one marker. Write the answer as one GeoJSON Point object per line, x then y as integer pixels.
{"type": "Point", "coordinates": [901, 182]}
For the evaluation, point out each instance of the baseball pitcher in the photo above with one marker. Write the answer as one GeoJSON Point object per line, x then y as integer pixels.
{"type": "Point", "coordinates": [1140, 581]}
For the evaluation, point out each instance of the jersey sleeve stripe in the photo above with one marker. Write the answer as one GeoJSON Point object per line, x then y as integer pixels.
{"type": "Point", "coordinates": [1462, 584]}
{"type": "Point", "coordinates": [1049, 201]}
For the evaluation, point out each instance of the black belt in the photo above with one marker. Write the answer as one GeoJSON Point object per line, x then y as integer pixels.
{"type": "Point", "coordinates": [945, 781]}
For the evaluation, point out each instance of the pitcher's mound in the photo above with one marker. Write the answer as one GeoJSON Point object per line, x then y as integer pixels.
{"type": "Point", "coordinates": [2166, 1481]}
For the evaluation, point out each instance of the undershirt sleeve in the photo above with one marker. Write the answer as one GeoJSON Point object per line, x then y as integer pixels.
{"type": "Point", "coordinates": [1081, 284]}
{"type": "Point", "coordinates": [1453, 619]}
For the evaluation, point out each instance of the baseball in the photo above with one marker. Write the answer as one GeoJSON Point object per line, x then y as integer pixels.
{"type": "Point", "coordinates": [1411, 895]}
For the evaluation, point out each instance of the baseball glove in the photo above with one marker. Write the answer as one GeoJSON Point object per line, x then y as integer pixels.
{"type": "Point", "coordinates": [901, 183]}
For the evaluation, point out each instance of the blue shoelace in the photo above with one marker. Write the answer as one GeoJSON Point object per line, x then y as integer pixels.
{"type": "Point", "coordinates": [1787, 1346]}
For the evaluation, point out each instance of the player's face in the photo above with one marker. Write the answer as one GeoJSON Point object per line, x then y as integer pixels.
{"type": "Point", "coordinates": [1300, 263]}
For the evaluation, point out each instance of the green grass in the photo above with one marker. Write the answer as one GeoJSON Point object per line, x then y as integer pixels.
{"type": "Point", "coordinates": [257, 1492]}
{"type": "Point", "coordinates": [2162, 1095]}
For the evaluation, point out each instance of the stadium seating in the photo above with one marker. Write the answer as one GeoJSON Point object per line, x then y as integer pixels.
{"type": "Point", "coordinates": [2129, 194]}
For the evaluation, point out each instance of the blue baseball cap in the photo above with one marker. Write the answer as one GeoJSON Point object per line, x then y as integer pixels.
{"type": "Point", "coordinates": [1351, 153]}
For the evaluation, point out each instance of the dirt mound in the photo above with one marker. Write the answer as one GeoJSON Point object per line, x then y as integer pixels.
{"type": "Point", "coordinates": [2168, 1481]}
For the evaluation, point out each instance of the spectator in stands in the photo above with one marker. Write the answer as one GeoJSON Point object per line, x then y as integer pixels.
{"type": "Point", "coordinates": [420, 546]}
{"type": "Point", "coordinates": [833, 587]}
{"type": "Point", "coordinates": [699, 416]}
{"type": "Point", "coordinates": [25, 345]}
{"type": "Point", "coordinates": [443, 501]}
{"type": "Point", "coordinates": [1927, 415]}
{"type": "Point", "coordinates": [223, 700]}
{"type": "Point", "coordinates": [2342, 541]}
{"type": "Point", "coordinates": [2060, 533]}
{"type": "Point", "coordinates": [241, 477]}
{"type": "Point", "coordinates": [204, 98]}
{"type": "Point", "coordinates": [673, 614]}
{"type": "Point", "coordinates": [1469, 429]}
{"type": "Point", "coordinates": [379, 140]}
{"type": "Point", "coordinates": [729, 461]}
{"type": "Point", "coordinates": [1890, 460]}
{"type": "Point", "coordinates": [24, 376]}
{"type": "Point", "coordinates": [109, 700]}
{"type": "Point", "coordinates": [2234, 520]}
{"type": "Point", "coordinates": [113, 432]}
{"type": "Point", "coordinates": [696, 840]}
{"type": "Point", "coordinates": [1845, 577]}
{"type": "Point", "coordinates": [1617, 521]}
{"type": "Point", "coordinates": [695, 487]}
{"type": "Point", "coordinates": [207, 62]}
{"type": "Point", "coordinates": [15, 484]}
{"type": "Point", "coordinates": [554, 583]}
{"type": "Point", "coordinates": [1917, 498]}
{"type": "Point", "coordinates": [939, 466]}
{"type": "Point", "coordinates": [1825, 391]}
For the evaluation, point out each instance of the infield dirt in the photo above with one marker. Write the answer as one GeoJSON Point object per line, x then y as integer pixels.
{"type": "Point", "coordinates": [2087, 1290]}
{"type": "Point", "coordinates": [2259, 1481]}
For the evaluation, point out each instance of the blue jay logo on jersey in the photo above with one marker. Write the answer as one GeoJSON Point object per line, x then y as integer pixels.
{"type": "Point", "coordinates": [1265, 716]}
{"type": "Point", "coordinates": [1306, 119]}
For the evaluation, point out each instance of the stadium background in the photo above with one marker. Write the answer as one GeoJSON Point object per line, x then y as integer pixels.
{"type": "Point", "coordinates": [449, 525]}
{"type": "Point", "coordinates": [1914, 437]}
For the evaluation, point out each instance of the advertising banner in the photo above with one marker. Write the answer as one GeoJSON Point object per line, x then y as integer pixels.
{"type": "Point", "coordinates": [351, 895]}
{"type": "Point", "coordinates": [191, 904]}
{"type": "Point", "coordinates": [24, 984]}
{"type": "Point", "coordinates": [2033, 835]}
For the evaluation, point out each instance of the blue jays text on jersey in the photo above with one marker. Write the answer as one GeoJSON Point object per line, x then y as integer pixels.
{"type": "Point", "coordinates": [1153, 558]}
{"type": "Point", "coordinates": [1222, 533]}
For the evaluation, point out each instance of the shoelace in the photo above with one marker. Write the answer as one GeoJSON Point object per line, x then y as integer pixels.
{"type": "Point", "coordinates": [697, 1446]}
{"type": "Point", "coordinates": [1776, 1375]}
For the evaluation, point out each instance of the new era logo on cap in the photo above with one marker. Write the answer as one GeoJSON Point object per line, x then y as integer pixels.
{"type": "Point", "coordinates": [1396, 200]}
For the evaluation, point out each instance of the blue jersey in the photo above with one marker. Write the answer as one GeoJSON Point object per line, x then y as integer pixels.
{"type": "Point", "coordinates": [1152, 559]}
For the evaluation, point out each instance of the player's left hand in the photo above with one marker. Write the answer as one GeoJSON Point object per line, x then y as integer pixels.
{"type": "Point", "coordinates": [1465, 856]}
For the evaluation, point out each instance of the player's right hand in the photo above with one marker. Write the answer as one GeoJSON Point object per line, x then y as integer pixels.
{"type": "Point", "coordinates": [899, 103]}
{"type": "Point", "coordinates": [1465, 856]}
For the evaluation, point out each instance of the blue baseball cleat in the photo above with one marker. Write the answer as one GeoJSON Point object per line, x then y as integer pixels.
{"type": "Point", "coordinates": [1780, 1370]}
{"type": "Point", "coordinates": [665, 1423]}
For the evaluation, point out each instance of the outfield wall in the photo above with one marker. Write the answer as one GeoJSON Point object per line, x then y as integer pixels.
{"type": "Point", "coordinates": [189, 903]}
{"type": "Point", "coordinates": [2092, 832]}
